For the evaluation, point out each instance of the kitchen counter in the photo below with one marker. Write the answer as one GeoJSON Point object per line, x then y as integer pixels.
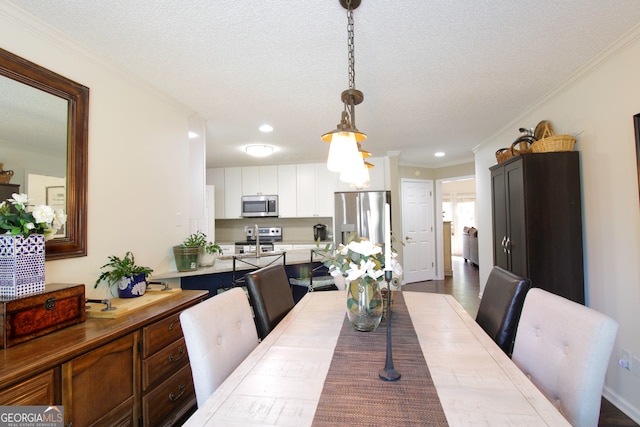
{"type": "Point", "coordinates": [244, 262]}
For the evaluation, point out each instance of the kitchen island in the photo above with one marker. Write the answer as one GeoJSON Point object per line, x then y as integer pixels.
{"type": "Point", "coordinates": [229, 270]}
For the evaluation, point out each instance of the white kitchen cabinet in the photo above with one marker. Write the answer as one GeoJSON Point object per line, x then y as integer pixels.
{"type": "Point", "coordinates": [287, 197]}
{"type": "Point", "coordinates": [215, 177]}
{"type": "Point", "coordinates": [316, 185]}
{"type": "Point", "coordinates": [261, 180]}
{"type": "Point", "coordinates": [233, 193]}
{"type": "Point", "coordinates": [377, 174]}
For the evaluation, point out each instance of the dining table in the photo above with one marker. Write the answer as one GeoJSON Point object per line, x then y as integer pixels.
{"type": "Point", "coordinates": [314, 369]}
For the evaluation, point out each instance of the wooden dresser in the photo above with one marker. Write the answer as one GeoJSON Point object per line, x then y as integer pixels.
{"type": "Point", "coordinates": [129, 371]}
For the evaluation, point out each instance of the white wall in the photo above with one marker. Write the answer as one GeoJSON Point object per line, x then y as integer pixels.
{"type": "Point", "coordinates": [138, 155]}
{"type": "Point", "coordinates": [597, 104]}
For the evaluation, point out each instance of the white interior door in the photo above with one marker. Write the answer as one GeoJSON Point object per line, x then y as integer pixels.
{"type": "Point", "coordinates": [417, 224]}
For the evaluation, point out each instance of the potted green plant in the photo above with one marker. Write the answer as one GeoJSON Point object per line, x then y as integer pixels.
{"type": "Point", "coordinates": [187, 254]}
{"type": "Point", "coordinates": [209, 252]}
{"type": "Point", "coordinates": [131, 279]}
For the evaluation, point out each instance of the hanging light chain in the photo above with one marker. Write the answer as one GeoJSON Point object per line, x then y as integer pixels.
{"type": "Point", "coordinates": [350, 47]}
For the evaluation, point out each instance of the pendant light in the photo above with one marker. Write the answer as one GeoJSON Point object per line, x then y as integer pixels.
{"type": "Point", "coordinates": [345, 155]}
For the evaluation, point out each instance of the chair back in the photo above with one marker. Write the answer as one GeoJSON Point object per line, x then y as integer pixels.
{"type": "Point", "coordinates": [564, 348]}
{"type": "Point", "coordinates": [501, 305]}
{"type": "Point", "coordinates": [219, 333]}
{"type": "Point", "coordinates": [270, 296]}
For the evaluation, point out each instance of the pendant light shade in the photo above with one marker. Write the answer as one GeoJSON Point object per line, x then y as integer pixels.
{"type": "Point", "coordinates": [357, 174]}
{"type": "Point", "coordinates": [342, 151]}
{"type": "Point", "coordinates": [345, 153]}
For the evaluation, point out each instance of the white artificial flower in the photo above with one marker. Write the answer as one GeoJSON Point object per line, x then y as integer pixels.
{"type": "Point", "coordinates": [354, 272]}
{"type": "Point", "coordinates": [19, 200]}
{"type": "Point", "coordinates": [61, 217]}
{"type": "Point", "coordinates": [365, 247]}
{"type": "Point", "coordinates": [43, 214]}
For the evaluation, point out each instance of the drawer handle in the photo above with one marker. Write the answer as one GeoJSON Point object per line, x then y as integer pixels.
{"type": "Point", "coordinates": [173, 323]}
{"type": "Point", "coordinates": [173, 397]}
{"type": "Point", "coordinates": [173, 358]}
{"type": "Point", "coordinates": [50, 304]}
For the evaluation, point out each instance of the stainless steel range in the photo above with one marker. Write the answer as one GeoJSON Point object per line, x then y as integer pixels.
{"type": "Point", "coordinates": [259, 239]}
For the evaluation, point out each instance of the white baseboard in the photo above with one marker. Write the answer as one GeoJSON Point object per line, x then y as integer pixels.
{"type": "Point", "coordinates": [620, 403]}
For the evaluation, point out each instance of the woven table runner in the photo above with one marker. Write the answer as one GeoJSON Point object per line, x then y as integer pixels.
{"type": "Point", "coordinates": [353, 393]}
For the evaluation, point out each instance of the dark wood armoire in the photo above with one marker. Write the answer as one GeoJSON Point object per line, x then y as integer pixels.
{"type": "Point", "coordinates": [537, 220]}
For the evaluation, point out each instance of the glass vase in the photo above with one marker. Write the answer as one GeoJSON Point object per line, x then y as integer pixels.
{"type": "Point", "coordinates": [364, 304]}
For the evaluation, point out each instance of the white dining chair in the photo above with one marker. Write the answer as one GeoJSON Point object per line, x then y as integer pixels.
{"type": "Point", "coordinates": [564, 348]}
{"type": "Point", "coordinates": [219, 333]}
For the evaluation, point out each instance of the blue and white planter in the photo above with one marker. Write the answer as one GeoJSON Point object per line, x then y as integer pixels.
{"type": "Point", "coordinates": [132, 287]}
{"type": "Point", "coordinates": [21, 265]}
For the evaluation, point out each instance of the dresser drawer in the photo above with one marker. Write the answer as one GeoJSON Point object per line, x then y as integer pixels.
{"type": "Point", "coordinates": [37, 390]}
{"type": "Point", "coordinates": [172, 397]}
{"type": "Point", "coordinates": [164, 363]}
{"type": "Point", "coordinates": [160, 334]}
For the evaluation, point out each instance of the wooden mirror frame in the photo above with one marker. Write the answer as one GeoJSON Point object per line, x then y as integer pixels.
{"type": "Point", "coordinates": [636, 125]}
{"type": "Point", "coordinates": [74, 244]}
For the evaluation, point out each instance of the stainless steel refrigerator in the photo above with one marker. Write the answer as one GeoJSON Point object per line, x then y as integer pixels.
{"type": "Point", "coordinates": [362, 212]}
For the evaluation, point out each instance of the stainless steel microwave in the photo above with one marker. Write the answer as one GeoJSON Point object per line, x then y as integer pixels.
{"type": "Point", "coordinates": [259, 206]}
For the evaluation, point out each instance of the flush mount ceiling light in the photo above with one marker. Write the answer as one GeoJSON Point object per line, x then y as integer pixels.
{"type": "Point", "coordinates": [345, 154]}
{"type": "Point", "coordinates": [259, 150]}
{"type": "Point", "coordinates": [266, 128]}
{"type": "Point", "coordinates": [439, 154]}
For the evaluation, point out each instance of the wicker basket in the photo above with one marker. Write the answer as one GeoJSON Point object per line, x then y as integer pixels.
{"type": "Point", "coordinates": [503, 154]}
{"type": "Point", "coordinates": [554, 143]}
{"type": "Point", "coordinates": [5, 176]}
{"type": "Point", "coordinates": [519, 146]}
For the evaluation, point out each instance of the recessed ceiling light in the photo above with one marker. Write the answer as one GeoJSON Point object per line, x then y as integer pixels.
{"type": "Point", "coordinates": [439, 154]}
{"type": "Point", "coordinates": [193, 135]}
{"type": "Point", "coordinates": [265, 128]}
{"type": "Point", "coordinates": [259, 150]}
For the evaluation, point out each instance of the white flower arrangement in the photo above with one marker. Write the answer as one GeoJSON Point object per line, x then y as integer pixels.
{"type": "Point", "coordinates": [360, 258]}
{"type": "Point", "coordinates": [17, 219]}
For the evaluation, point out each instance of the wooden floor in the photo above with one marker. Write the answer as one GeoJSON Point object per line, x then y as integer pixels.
{"type": "Point", "coordinates": [465, 288]}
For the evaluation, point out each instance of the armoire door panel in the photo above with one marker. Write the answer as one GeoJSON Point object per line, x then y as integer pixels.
{"type": "Point", "coordinates": [516, 220]}
{"type": "Point", "coordinates": [499, 205]}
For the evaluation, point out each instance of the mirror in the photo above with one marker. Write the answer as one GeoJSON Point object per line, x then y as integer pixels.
{"type": "Point", "coordinates": [73, 241]}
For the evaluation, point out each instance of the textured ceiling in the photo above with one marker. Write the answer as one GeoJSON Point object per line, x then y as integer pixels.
{"type": "Point", "coordinates": [436, 75]}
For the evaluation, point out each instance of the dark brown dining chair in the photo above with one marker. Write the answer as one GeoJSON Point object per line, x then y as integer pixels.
{"type": "Point", "coordinates": [501, 305]}
{"type": "Point", "coordinates": [270, 296]}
